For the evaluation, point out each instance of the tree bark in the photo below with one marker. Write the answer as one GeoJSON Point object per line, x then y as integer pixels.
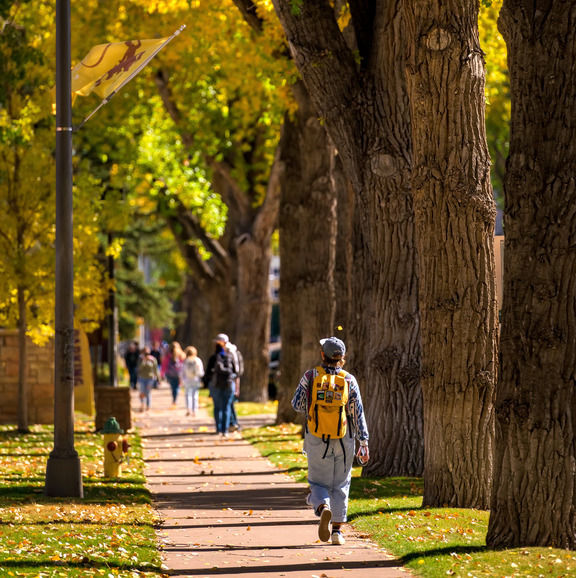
{"type": "Point", "coordinates": [23, 426]}
{"type": "Point", "coordinates": [198, 329]}
{"type": "Point", "coordinates": [254, 301]}
{"type": "Point", "coordinates": [307, 247]}
{"type": "Point", "coordinates": [455, 213]}
{"type": "Point", "coordinates": [363, 104]}
{"type": "Point", "coordinates": [344, 261]}
{"type": "Point", "coordinates": [534, 492]}
{"type": "Point", "coordinates": [213, 278]}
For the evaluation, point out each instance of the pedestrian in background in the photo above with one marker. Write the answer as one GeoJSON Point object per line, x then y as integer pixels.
{"type": "Point", "coordinates": [157, 354]}
{"type": "Point", "coordinates": [148, 374]}
{"type": "Point", "coordinates": [220, 377]}
{"type": "Point", "coordinates": [132, 360]}
{"type": "Point", "coordinates": [171, 367]}
{"type": "Point", "coordinates": [330, 398]}
{"type": "Point", "coordinates": [192, 373]}
{"type": "Point", "coordinates": [238, 360]}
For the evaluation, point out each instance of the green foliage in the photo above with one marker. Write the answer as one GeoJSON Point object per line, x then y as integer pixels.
{"type": "Point", "coordinates": [172, 174]}
{"type": "Point", "coordinates": [497, 93]}
{"type": "Point", "coordinates": [149, 277]}
{"type": "Point", "coordinates": [231, 114]}
{"type": "Point", "coordinates": [296, 7]}
{"type": "Point", "coordinates": [231, 109]}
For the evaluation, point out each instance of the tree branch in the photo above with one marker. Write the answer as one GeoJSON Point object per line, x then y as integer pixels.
{"type": "Point", "coordinates": [329, 72]}
{"type": "Point", "coordinates": [363, 16]}
{"type": "Point", "coordinates": [269, 209]}
{"type": "Point", "coordinates": [237, 194]}
{"type": "Point", "coordinates": [162, 83]}
{"type": "Point", "coordinates": [248, 10]}
{"type": "Point", "coordinates": [187, 228]}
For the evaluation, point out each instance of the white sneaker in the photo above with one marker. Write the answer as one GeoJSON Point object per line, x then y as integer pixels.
{"type": "Point", "coordinates": [338, 539]}
{"type": "Point", "coordinates": [324, 527]}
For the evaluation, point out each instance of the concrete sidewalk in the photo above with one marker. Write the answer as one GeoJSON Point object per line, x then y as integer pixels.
{"type": "Point", "coordinates": [227, 511]}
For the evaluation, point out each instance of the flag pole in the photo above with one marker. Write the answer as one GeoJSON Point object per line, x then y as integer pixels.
{"type": "Point", "coordinates": [63, 471]}
{"type": "Point", "coordinates": [130, 77]}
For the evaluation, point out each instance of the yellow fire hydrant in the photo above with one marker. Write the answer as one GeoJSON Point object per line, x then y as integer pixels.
{"type": "Point", "coordinates": [115, 448]}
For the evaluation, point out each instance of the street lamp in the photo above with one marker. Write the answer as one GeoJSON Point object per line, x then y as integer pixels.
{"type": "Point", "coordinates": [63, 471]}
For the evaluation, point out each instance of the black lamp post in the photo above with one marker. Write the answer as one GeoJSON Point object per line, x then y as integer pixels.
{"type": "Point", "coordinates": [63, 471]}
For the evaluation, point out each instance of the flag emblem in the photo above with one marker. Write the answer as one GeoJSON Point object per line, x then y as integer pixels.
{"type": "Point", "coordinates": [108, 66]}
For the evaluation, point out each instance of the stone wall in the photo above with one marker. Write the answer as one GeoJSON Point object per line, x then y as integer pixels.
{"type": "Point", "coordinates": [40, 378]}
{"type": "Point", "coordinates": [113, 402]}
{"type": "Point", "coordinates": [109, 401]}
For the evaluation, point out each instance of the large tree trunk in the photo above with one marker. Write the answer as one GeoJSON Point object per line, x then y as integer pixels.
{"type": "Point", "coordinates": [307, 247]}
{"type": "Point", "coordinates": [534, 492]}
{"type": "Point", "coordinates": [214, 279]}
{"type": "Point", "coordinates": [245, 305]}
{"type": "Point", "coordinates": [365, 109]}
{"type": "Point", "coordinates": [389, 318]}
{"type": "Point", "coordinates": [344, 261]}
{"type": "Point", "coordinates": [206, 311]}
{"type": "Point", "coordinates": [253, 318]}
{"type": "Point", "coordinates": [254, 304]}
{"type": "Point", "coordinates": [455, 213]}
{"type": "Point", "coordinates": [23, 426]}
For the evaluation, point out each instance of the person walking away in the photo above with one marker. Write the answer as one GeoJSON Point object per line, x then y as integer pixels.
{"type": "Point", "coordinates": [192, 372]}
{"type": "Point", "coordinates": [220, 377]}
{"type": "Point", "coordinates": [155, 352]}
{"type": "Point", "coordinates": [171, 366]}
{"type": "Point", "coordinates": [148, 374]}
{"type": "Point", "coordinates": [239, 365]}
{"type": "Point", "coordinates": [330, 398]}
{"type": "Point", "coordinates": [132, 360]}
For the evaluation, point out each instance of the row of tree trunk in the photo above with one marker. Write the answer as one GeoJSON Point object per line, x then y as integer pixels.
{"type": "Point", "coordinates": [405, 110]}
{"type": "Point", "coordinates": [399, 251]}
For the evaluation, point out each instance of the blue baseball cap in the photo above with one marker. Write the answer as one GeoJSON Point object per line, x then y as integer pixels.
{"type": "Point", "coordinates": [333, 347]}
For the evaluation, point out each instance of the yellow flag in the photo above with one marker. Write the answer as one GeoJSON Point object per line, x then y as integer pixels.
{"type": "Point", "coordinates": [108, 66]}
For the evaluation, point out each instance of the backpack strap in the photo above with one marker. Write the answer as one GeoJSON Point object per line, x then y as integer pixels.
{"type": "Point", "coordinates": [319, 371]}
{"type": "Point", "coordinates": [326, 440]}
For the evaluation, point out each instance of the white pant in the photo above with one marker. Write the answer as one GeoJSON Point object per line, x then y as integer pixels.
{"type": "Point", "coordinates": [329, 476]}
{"type": "Point", "coordinates": [192, 395]}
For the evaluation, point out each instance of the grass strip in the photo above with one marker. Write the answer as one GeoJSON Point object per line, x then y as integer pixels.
{"type": "Point", "coordinates": [110, 532]}
{"type": "Point", "coordinates": [432, 542]}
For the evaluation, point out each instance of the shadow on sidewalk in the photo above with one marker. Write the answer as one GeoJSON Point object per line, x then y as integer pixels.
{"type": "Point", "coordinates": [284, 569]}
{"type": "Point", "coordinates": [211, 475]}
{"type": "Point", "coordinates": [244, 524]}
{"type": "Point", "coordinates": [276, 498]}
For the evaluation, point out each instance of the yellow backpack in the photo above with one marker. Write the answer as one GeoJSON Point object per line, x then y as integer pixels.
{"type": "Point", "coordinates": [327, 398]}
